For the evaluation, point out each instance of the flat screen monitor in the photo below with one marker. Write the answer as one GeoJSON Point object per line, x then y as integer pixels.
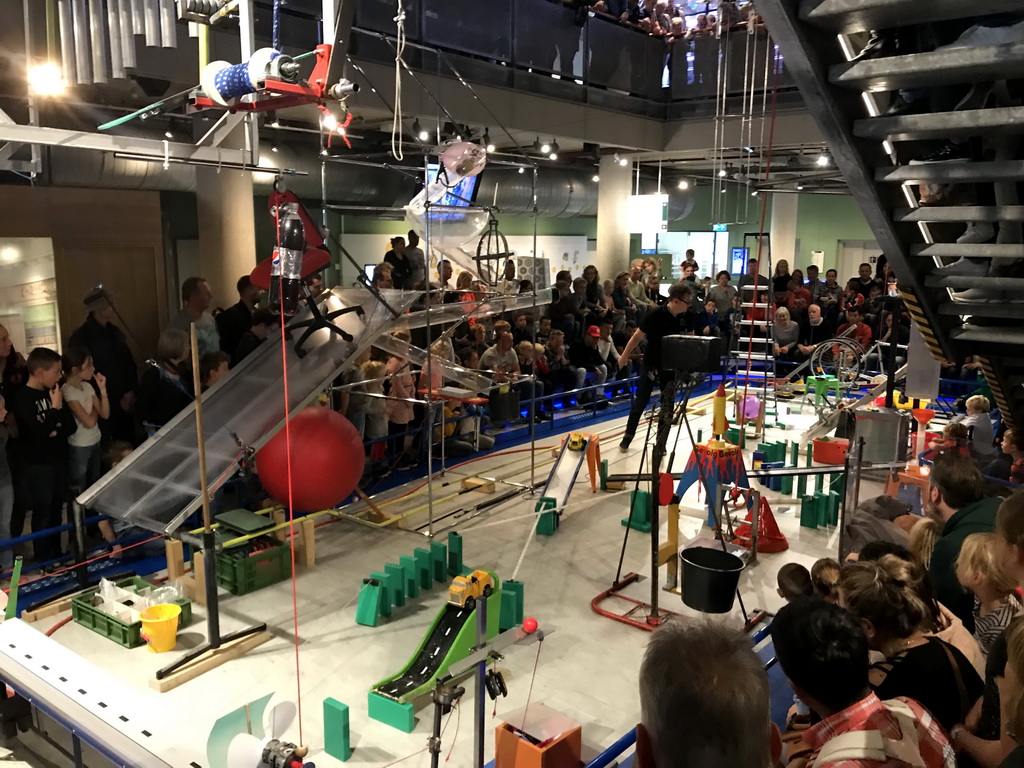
{"type": "Point", "coordinates": [368, 271]}
{"type": "Point", "coordinates": [462, 194]}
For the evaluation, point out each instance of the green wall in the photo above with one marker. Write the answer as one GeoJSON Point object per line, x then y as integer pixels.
{"type": "Point", "coordinates": [823, 220]}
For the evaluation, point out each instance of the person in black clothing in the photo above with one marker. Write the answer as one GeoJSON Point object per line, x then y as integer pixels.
{"type": "Point", "coordinates": [673, 317]}
{"type": "Point", "coordinates": [886, 598]}
{"type": "Point", "coordinates": [165, 386]}
{"type": "Point", "coordinates": [401, 267]}
{"type": "Point", "coordinates": [234, 321]}
{"type": "Point", "coordinates": [44, 424]}
{"type": "Point", "coordinates": [585, 357]}
{"type": "Point", "coordinates": [263, 321]}
{"type": "Point", "coordinates": [814, 329]}
{"type": "Point", "coordinates": [111, 354]}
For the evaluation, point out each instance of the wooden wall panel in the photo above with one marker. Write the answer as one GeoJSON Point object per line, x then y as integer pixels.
{"type": "Point", "coordinates": [104, 236]}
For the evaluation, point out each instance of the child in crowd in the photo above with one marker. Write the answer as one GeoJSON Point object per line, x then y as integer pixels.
{"type": "Point", "coordinates": [1013, 446]}
{"type": "Point", "coordinates": [979, 571]}
{"type": "Point", "coordinates": [794, 581]}
{"type": "Point", "coordinates": [375, 407]}
{"type": "Point", "coordinates": [400, 409]}
{"type": "Point", "coordinates": [953, 440]}
{"type": "Point", "coordinates": [213, 366]}
{"type": "Point", "coordinates": [707, 319]}
{"type": "Point", "coordinates": [6, 494]}
{"type": "Point", "coordinates": [825, 578]}
{"type": "Point", "coordinates": [44, 426]}
{"type": "Point", "coordinates": [858, 331]}
{"type": "Point", "coordinates": [88, 405]}
{"type": "Point", "coordinates": [543, 330]}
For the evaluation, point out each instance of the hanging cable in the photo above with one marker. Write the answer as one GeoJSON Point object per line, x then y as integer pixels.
{"type": "Point", "coordinates": [396, 119]}
{"type": "Point", "coordinates": [276, 42]}
{"type": "Point", "coordinates": [291, 505]}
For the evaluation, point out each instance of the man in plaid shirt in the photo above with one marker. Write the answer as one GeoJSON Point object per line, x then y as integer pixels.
{"type": "Point", "coordinates": [824, 653]}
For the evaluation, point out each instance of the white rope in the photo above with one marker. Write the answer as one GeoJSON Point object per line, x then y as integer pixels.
{"type": "Point", "coordinates": [396, 120]}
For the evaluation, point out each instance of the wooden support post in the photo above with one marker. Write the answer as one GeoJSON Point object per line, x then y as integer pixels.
{"type": "Point", "coordinates": [307, 542]}
{"type": "Point", "coordinates": [175, 559]}
{"type": "Point", "coordinates": [280, 517]}
{"type": "Point", "coordinates": [195, 585]}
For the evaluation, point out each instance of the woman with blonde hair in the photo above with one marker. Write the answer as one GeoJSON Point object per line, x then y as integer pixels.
{"type": "Point", "coordinates": [921, 542]}
{"type": "Point", "coordinates": [886, 597]}
{"type": "Point", "coordinates": [780, 281]}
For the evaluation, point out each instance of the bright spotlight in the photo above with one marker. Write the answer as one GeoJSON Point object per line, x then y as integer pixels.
{"type": "Point", "coordinates": [684, 184]}
{"type": "Point", "coordinates": [623, 161]}
{"type": "Point", "coordinates": [522, 170]}
{"type": "Point", "coordinates": [596, 178]}
{"type": "Point", "coordinates": [491, 148]}
{"type": "Point", "coordinates": [545, 148]}
{"type": "Point", "coordinates": [823, 160]}
{"type": "Point", "coordinates": [46, 80]}
{"type": "Point", "coordinates": [553, 156]}
{"type": "Point", "coordinates": [723, 173]}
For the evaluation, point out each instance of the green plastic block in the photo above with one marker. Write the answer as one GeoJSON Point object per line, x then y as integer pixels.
{"type": "Point", "coordinates": [512, 593]}
{"type": "Point", "coordinates": [547, 522]}
{"type": "Point", "coordinates": [794, 454]}
{"type": "Point", "coordinates": [337, 740]}
{"type": "Point", "coordinates": [732, 434]}
{"type": "Point", "coordinates": [422, 557]}
{"type": "Point", "coordinates": [833, 508]}
{"type": "Point", "coordinates": [603, 472]}
{"type": "Point", "coordinates": [700, 435]}
{"type": "Point", "coordinates": [821, 504]}
{"type": "Point", "coordinates": [368, 607]}
{"type": "Point", "coordinates": [837, 483]}
{"type": "Point", "coordinates": [809, 512]}
{"type": "Point", "coordinates": [454, 554]}
{"type": "Point", "coordinates": [439, 560]}
{"type": "Point", "coordinates": [387, 592]}
{"type": "Point", "coordinates": [396, 583]}
{"type": "Point", "coordinates": [640, 518]}
{"type": "Point", "coordinates": [411, 585]}
{"type": "Point", "coordinates": [391, 712]}
{"type": "Point", "coordinates": [786, 485]}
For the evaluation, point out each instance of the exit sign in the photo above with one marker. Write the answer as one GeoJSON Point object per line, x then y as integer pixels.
{"type": "Point", "coordinates": [719, 227]}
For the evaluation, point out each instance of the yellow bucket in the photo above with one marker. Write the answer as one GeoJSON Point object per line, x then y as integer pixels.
{"type": "Point", "coordinates": [160, 627]}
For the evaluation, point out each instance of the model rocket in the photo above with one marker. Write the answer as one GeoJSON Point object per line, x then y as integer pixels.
{"type": "Point", "coordinates": [719, 424]}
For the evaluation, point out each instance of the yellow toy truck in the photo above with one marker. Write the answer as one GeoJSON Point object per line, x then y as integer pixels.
{"type": "Point", "coordinates": [464, 590]}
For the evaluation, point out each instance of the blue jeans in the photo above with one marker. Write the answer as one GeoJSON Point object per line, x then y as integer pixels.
{"type": "Point", "coordinates": [6, 510]}
{"type": "Point", "coordinates": [84, 466]}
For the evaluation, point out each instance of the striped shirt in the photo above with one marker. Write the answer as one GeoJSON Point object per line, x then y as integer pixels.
{"type": "Point", "coordinates": [870, 714]}
{"type": "Point", "coordinates": [988, 627]}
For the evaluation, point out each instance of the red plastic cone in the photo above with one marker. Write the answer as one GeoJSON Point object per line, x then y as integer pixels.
{"type": "Point", "coordinates": [769, 537]}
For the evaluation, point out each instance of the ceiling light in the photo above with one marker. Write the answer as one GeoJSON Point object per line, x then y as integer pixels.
{"type": "Point", "coordinates": [799, 186]}
{"type": "Point", "coordinates": [554, 147]}
{"type": "Point", "coordinates": [545, 148]}
{"type": "Point", "coordinates": [46, 80]}
{"type": "Point", "coordinates": [273, 147]}
{"type": "Point", "coordinates": [488, 144]}
{"type": "Point", "coordinates": [723, 173]}
{"type": "Point", "coordinates": [553, 156]}
{"type": "Point", "coordinates": [722, 190]}
{"type": "Point", "coordinates": [623, 161]}
{"type": "Point", "coordinates": [684, 184]}
{"type": "Point", "coordinates": [748, 149]}
{"type": "Point", "coordinates": [596, 178]}
{"type": "Point", "coordinates": [754, 193]}
{"type": "Point", "coordinates": [536, 144]}
{"type": "Point", "coordinates": [823, 160]}
{"type": "Point", "coordinates": [418, 131]}
{"type": "Point", "coordinates": [168, 134]}
{"type": "Point", "coordinates": [522, 170]}
{"type": "Point", "coordinates": [330, 122]}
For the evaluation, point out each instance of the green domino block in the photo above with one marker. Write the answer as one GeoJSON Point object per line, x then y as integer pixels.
{"type": "Point", "coordinates": [732, 434]}
{"type": "Point", "coordinates": [454, 554]}
{"type": "Point", "coordinates": [547, 522]}
{"type": "Point", "coordinates": [640, 504]}
{"type": "Point", "coordinates": [368, 607]}
{"type": "Point", "coordinates": [700, 435]}
{"type": "Point", "coordinates": [386, 591]}
{"type": "Point", "coordinates": [780, 451]}
{"type": "Point", "coordinates": [808, 512]}
{"type": "Point", "coordinates": [837, 483]}
{"type": "Point", "coordinates": [794, 454]}
{"type": "Point", "coordinates": [833, 508]}
{"type": "Point", "coordinates": [411, 584]}
{"type": "Point", "coordinates": [786, 484]}
{"type": "Point", "coordinates": [396, 577]}
{"type": "Point", "coordinates": [512, 594]}
{"type": "Point", "coordinates": [423, 569]}
{"type": "Point", "coordinates": [337, 739]}
{"type": "Point", "coordinates": [603, 471]}
{"type": "Point", "coordinates": [801, 485]}
{"type": "Point", "coordinates": [391, 712]}
{"type": "Point", "coordinates": [439, 561]}
{"type": "Point", "coordinates": [821, 504]}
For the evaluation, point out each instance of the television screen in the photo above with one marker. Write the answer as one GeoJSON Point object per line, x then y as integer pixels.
{"type": "Point", "coordinates": [462, 194]}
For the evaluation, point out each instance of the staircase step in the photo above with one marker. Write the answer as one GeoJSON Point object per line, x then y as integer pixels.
{"type": "Point", "coordinates": [1008, 311]}
{"type": "Point", "coordinates": [848, 16]}
{"type": "Point", "coordinates": [952, 173]}
{"type": "Point", "coordinates": [934, 69]}
{"type": "Point", "coordinates": [1002, 335]}
{"type": "Point", "coordinates": [962, 283]}
{"type": "Point", "coordinates": [960, 213]}
{"type": "Point", "coordinates": [943, 125]}
{"type": "Point", "coordinates": [956, 250]}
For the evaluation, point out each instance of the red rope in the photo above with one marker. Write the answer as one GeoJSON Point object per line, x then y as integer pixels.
{"type": "Point", "coordinates": [84, 562]}
{"type": "Point", "coordinates": [288, 462]}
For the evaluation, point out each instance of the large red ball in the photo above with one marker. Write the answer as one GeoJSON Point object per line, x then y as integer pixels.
{"type": "Point", "coordinates": [327, 460]}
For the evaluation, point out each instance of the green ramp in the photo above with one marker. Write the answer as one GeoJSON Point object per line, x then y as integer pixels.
{"type": "Point", "coordinates": [450, 638]}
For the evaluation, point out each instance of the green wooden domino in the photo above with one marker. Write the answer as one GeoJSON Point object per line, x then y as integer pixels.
{"type": "Point", "coordinates": [439, 561]}
{"type": "Point", "coordinates": [454, 554]}
{"type": "Point", "coordinates": [368, 607]}
{"type": "Point", "coordinates": [423, 570]}
{"type": "Point", "coordinates": [396, 582]}
{"type": "Point", "coordinates": [337, 739]}
{"type": "Point", "coordinates": [386, 592]}
{"type": "Point", "coordinates": [411, 585]}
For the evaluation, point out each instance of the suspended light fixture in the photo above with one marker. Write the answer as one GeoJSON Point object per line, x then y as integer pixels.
{"type": "Point", "coordinates": [418, 131]}
{"type": "Point", "coordinates": [537, 145]}
{"type": "Point", "coordinates": [522, 170]}
{"type": "Point", "coordinates": [488, 144]}
{"type": "Point", "coordinates": [723, 173]}
{"type": "Point", "coordinates": [823, 160]}
{"type": "Point", "coordinates": [596, 178]}
{"type": "Point", "coordinates": [554, 147]}
{"type": "Point", "coordinates": [46, 79]}
{"type": "Point", "coordinates": [545, 148]}
{"type": "Point", "coordinates": [273, 147]}
{"type": "Point", "coordinates": [168, 134]}
{"type": "Point", "coordinates": [684, 184]}
{"type": "Point", "coordinates": [623, 161]}
{"type": "Point", "coordinates": [553, 156]}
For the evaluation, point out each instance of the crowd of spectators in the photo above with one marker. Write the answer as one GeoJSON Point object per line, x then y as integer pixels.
{"type": "Point", "coordinates": [666, 19]}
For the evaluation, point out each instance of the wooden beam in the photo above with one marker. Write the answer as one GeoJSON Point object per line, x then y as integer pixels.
{"type": "Point", "coordinates": [209, 660]}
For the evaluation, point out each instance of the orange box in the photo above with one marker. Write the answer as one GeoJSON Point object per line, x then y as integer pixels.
{"type": "Point", "coordinates": [513, 751]}
{"type": "Point", "coordinates": [831, 451]}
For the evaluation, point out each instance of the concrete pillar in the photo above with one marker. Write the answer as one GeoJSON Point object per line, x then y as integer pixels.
{"type": "Point", "coordinates": [612, 254]}
{"type": "Point", "coordinates": [227, 237]}
{"type": "Point", "coordinates": [783, 229]}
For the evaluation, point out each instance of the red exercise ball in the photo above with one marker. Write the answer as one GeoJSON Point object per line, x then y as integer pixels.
{"type": "Point", "coordinates": [327, 460]}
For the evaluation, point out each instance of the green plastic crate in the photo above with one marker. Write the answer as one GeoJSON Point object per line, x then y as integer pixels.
{"type": "Point", "coordinates": [240, 574]}
{"type": "Point", "coordinates": [128, 635]}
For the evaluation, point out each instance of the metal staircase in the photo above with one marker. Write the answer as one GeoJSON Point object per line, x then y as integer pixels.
{"type": "Point", "coordinates": [816, 38]}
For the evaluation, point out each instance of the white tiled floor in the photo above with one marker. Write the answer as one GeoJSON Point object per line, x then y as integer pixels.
{"type": "Point", "coordinates": [587, 669]}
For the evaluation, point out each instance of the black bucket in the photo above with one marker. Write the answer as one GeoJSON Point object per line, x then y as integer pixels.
{"type": "Point", "coordinates": [710, 578]}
